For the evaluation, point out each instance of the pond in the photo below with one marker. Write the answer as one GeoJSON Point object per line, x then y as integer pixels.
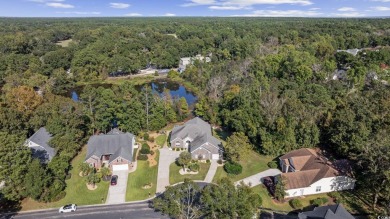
{"type": "Point", "coordinates": [176, 90]}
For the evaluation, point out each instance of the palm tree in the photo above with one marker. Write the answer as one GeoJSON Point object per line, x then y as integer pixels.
{"type": "Point", "coordinates": [105, 171]}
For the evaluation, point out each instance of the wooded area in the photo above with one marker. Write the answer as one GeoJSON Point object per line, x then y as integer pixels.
{"type": "Point", "coordinates": [271, 79]}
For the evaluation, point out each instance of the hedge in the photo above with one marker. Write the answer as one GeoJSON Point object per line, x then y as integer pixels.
{"type": "Point", "coordinates": [295, 203]}
{"type": "Point", "coordinates": [233, 168]}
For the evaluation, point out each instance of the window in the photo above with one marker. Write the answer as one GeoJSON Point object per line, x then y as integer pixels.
{"type": "Point", "coordinates": [178, 143]}
{"type": "Point", "coordinates": [318, 189]}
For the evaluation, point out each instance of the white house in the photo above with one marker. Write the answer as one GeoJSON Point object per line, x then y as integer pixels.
{"type": "Point", "coordinates": [307, 172]}
{"type": "Point", "coordinates": [190, 60]}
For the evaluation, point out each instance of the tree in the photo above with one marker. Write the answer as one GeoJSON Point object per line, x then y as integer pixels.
{"type": "Point", "coordinates": [184, 159]}
{"type": "Point", "coordinates": [237, 147]}
{"type": "Point", "coordinates": [105, 171]}
{"type": "Point", "coordinates": [182, 107]}
{"type": "Point", "coordinates": [24, 99]}
{"type": "Point", "coordinates": [280, 188]}
{"type": "Point", "coordinates": [92, 179]}
{"type": "Point", "coordinates": [180, 201]}
{"type": "Point", "coordinates": [85, 169]}
{"type": "Point", "coordinates": [35, 180]}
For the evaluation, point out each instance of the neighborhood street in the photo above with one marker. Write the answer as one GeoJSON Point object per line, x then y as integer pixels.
{"type": "Point", "coordinates": [124, 211]}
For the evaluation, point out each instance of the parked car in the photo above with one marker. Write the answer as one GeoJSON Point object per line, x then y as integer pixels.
{"type": "Point", "coordinates": [68, 208]}
{"type": "Point", "coordinates": [114, 180]}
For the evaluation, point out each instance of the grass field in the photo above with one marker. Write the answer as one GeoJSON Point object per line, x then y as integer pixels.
{"type": "Point", "coordinates": [76, 190]}
{"type": "Point", "coordinates": [253, 164]}
{"type": "Point", "coordinates": [64, 43]}
{"type": "Point", "coordinates": [161, 139]}
{"type": "Point", "coordinates": [175, 177]}
{"type": "Point", "coordinates": [268, 202]}
{"type": "Point", "coordinates": [142, 176]}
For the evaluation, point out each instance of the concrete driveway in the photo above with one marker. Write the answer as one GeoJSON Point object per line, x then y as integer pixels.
{"type": "Point", "coordinates": [117, 193]}
{"type": "Point", "coordinates": [255, 180]}
{"type": "Point", "coordinates": [166, 158]}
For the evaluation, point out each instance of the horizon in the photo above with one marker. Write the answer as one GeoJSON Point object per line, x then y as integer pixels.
{"type": "Point", "coordinates": [195, 8]}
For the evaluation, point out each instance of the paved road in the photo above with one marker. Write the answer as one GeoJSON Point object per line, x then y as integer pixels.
{"type": "Point", "coordinates": [212, 170]}
{"type": "Point", "coordinates": [166, 158]}
{"type": "Point", "coordinates": [128, 211]}
{"type": "Point", "coordinates": [255, 180]}
{"type": "Point", "coordinates": [116, 194]}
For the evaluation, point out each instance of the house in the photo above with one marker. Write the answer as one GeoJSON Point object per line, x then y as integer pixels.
{"type": "Point", "coordinates": [113, 150]}
{"type": "Point", "coordinates": [353, 52]}
{"type": "Point", "coordinates": [190, 60]}
{"type": "Point", "coordinates": [306, 171]}
{"type": "Point", "coordinates": [195, 136]}
{"type": "Point", "coordinates": [326, 212]}
{"type": "Point", "coordinates": [39, 144]}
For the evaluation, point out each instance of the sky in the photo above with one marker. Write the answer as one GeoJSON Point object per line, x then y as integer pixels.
{"type": "Point", "coordinates": [180, 8]}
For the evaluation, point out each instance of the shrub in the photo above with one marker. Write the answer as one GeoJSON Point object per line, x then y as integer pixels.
{"type": "Point", "coordinates": [319, 201]}
{"type": "Point", "coordinates": [295, 203]}
{"type": "Point", "coordinates": [151, 139]}
{"type": "Point", "coordinates": [145, 145]}
{"type": "Point", "coordinates": [142, 157]}
{"type": "Point", "coordinates": [156, 73]}
{"type": "Point", "coordinates": [272, 164]}
{"type": "Point", "coordinates": [146, 136]}
{"type": "Point", "coordinates": [220, 161]}
{"type": "Point", "coordinates": [194, 167]}
{"type": "Point", "coordinates": [233, 168]}
{"type": "Point", "coordinates": [173, 74]}
{"type": "Point", "coordinates": [60, 196]}
{"type": "Point", "coordinates": [151, 152]}
{"type": "Point", "coordinates": [207, 161]}
{"type": "Point", "coordinates": [145, 151]}
{"type": "Point", "coordinates": [335, 195]}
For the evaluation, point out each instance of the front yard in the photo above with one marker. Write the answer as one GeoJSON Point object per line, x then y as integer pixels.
{"type": "Point", "coordinates": [176, 177]}
{"type": "Point", "coordinates": [141, 177]}
{"type": "Point", "coordinates": [161, 139]}
{"type": "Point", "coordinates": [76, 190]}
{"type": "Point", "coordinates": [268, 202]}
{"type": "Point", "coordinates": [251, 165]}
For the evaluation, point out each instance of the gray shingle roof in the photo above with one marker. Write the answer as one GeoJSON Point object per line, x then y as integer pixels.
{"type": "Point", "coordinates": [196, 129]}
{"type": "Point", "coordinates": [327, 212]}
{"type": "Point", "coordinates": [45, 152]}
{"type": "Point", "coordinates": [116, 143]}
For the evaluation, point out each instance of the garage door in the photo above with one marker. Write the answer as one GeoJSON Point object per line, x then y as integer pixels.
{"type": "Point", "coordinates": [215, 156]}
{"type": "Point", "coordinates": [120, 167]}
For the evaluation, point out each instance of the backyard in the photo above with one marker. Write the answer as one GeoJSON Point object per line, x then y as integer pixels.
{"type": "Point", "coordinates": [143, 176]}
{"type": "Point", "coordinates": [175, 176]}
{"type": "Point", "coordinates": [251, 165]}
{"type": "Point", "coordinates": [76, 190]}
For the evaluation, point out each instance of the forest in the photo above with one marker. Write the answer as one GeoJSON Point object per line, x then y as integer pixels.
{"type": "Point", "coordinates": [272, 79]}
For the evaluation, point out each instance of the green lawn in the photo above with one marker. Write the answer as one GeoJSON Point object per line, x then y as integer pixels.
{"type": "Point", "coordinates": [253, 164]}
{"type": "Point", "coordinates": [161, 139]}
{"type": "Point", "coordinates": [269, 203]}
{"type": "Point", "coordinates": [143, 175]}
{"type": "Point", "coordinates": [175, 177]}
{"type": "Point", "coordinates": [76, 190]}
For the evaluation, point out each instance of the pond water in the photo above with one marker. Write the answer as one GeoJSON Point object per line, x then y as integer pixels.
{"type": "Point", "coordinates": [176, 90]}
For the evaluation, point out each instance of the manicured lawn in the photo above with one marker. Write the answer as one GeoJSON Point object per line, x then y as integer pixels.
{"type": "Point", "coordinates": [142, 176]}
{"type": "Point", "coordinates": [76, 190]}
{"type": "Point", "coordinates": [269, 203]}
{"type": "Point", "coordinates": [253, 164]}
{"type": "Point", "coordinates": [175, 177]}
{"type": "Point", "coordinates": [161, 139]}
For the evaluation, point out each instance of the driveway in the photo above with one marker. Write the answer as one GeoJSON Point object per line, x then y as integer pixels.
{"type": "Point", "coordinates": [255, 180]}
{"type": "Point", "coordinates": [212, 170]}
{"type": "Point", "coordinates": [117, 193]}
{"type": "Point", "coordinates": [166, 158]}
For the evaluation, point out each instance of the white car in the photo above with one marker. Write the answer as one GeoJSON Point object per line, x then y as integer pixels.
{"type": "Point", "coordinates": [68, 208]}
